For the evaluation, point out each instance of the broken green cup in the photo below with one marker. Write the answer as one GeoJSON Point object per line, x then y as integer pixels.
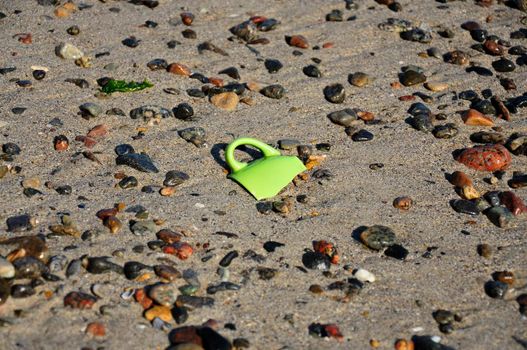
{"type": "Point", "coordinates": [263, 177]}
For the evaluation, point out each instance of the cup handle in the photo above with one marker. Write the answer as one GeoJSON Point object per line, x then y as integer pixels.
{"type": "Point", "coordinates": [235, 166]}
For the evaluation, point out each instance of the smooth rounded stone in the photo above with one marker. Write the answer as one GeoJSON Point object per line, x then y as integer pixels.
{"type": "Point", "coordinates": [518, 50]}
{"type": "Point", "coordinates": [18, 110]}
{"type": "Point", "coordinates": [443, 316]}
{"type": "Point", "coordinates": [221, 287]}
{"type": "Point", "coordinates": [517, 144]}
{"type": "Point", "coordinates": [422, 122]}
{"type": "Point", "coordinates": [134, 269]}
{"type": "Point", "coordinates": [434, 52]}
{"type": "Point", "coordinates": [419, 108]}
{"type": "Point", "coordinates": [359, 79]}
{"type": "Point", "coordinates": [5, 290]}
{"type": "Point", "coordinates": [487, 137]}
{"type": "Point", "coordinates": [474, 117]}
{"type": "Point", "coordinates": [500, 216]}
{"type": "Point", "coordinates": [275, 91]}
{"type": "Point", "coordinates": [469, 95]}
{"type": "Point", "coordinates": [411, 78]}
{"type": "Point", "coordinates": [273, 65]}
{"type": "Point", "coordinates": [496, 289]}
{"type": "Point", "coordinates": [503, 65]}
{"type": "Point", "coordinates": [479, 35]}
{"type": "Point", "coordinates": [184, 111]}
{"type": "Point", "coordinates": [141, 228]}
{"type": "Point", "coordinates": [364, 275]}
{"type": "Point", "coordinates": [484, 72]}
{"type": "Point", "coordinates": [29, 267]}
{"type": "Point", "coordinates": [316, 261]}
{"type": "Point", "coordinates": [418, 35]}
{"type": "Point", "coordinates": [225, 100]}
{"type": "Point", "coordinates": [64, 190]}
{"type": "Point", "coordinates": [101, 264]}
{"type": "Point", "coordinates": [436, 86]}
{"type": "Point", "coordinates": [11, 149]}
{"type": "Point", "coordinates": [147, 112]}
{"type": "Point", "coordinates": [7, 270]}
{"type": "Point", "coordinates": [483, 106]}
{"type": "Point", "coordinates": [163, 294]}
{"type": "Point", "coordinates": [395, 25]}
{"type": "Point", "coordinates": [312, 71]}
{"type": "Point", "coordinates": [194, 135]}
{"type": "Point", "coordinates": [228, 258]}
{"type": "Point", "coordinates": [493, 197]}
{"type": "Point", "coordinates": [22, 291]}
{"type": "Point", "coordinates": [167, 272]}
{"type": "Point", "coordinates": [335, 93]}
{"type": "Point", "coordinates": [175, 178]}
{"type": "Point", "coordinates": [157, 64]}
{"type": "Point", "coordinates": [194, 302]}
{"type": "Point", "coordinates": [346, 117]}
{"type": "Point", "coordinates": [288, 144]}
{"type": "Point", "coordinates": [335, 16]}
{"type": "Point", "coordinates": [230, 71]}
{"type": "Point", "coordinates": [446, 131]}
{"type": "Point", "coordinates": [484, 250]}
{"type": "Point", "coordinates": [57, 263]}
{"type": "Point", "coordinates": [68, 51]}
{"type": "Point", "coordinates": [505, 277]}
{"type": "Point", "coordinates": [485, 158]}
{"type": "Point", "coordinates": [19, 223]}
{"type": "Point", "coordinates": [128, 182]}
{"type": "Point", "coordinates": [377, 237]}
{"type": "Point", "coordinates": [124, 149]}
{"type": "Point", "coordinates": [427, 342]}
{"type": "Point", "coordinates": [131, 42]}
{"type": "Point", "coordinates": [39, 74]}
{"type": "Point", "coordinates": [90, 110]}
{"type": "Point", "coordinates": [362, 135]}
{"type": "Point", "coordinates": [460, 179]}
{"type": "Point", "coordinates": [464, 206]}
{"type": "Point", "coordinates": [396, 251]}
{"type": "Point", "coordinates": [457, 57]}
{"type": "Point", "coordinates": [138, 161]}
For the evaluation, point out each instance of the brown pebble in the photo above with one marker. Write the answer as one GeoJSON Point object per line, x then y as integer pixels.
{"type": "Point", "coordinates": [32, 182]}
{"type": "Point", "coordinates": [484, 250]}
{"type": "Point", "coordinates": [297, 41]}
{"type": "Point", "coordinates": [475, 118]}
{"type": "Point", "coordinates": [504, 276]}
{"type": "Point", "coordinates": [187, 18]}
{"type": "Point", "coordinates": [167, 191]}
{"type": "Point", "coordinates": [113, 223]}
{"type": "Point", "coordinates": [226, 101]}
{"type": "Point", "coordinates": [96, 329]}
{"type": "Point", "coordinates": [179, 69]}
{"type": "Point", "coordinates": [316, 289]}
{"type": "Point", "coordinates": [403, 203]}
{"type": "Point", "coordinates": [61, 143]}
{"type": "Point", "coordinates": [460, 179]}
{"type": "Point", "coordinates": [403, 344]}
{"type": "Point", "coordinates": [98, 131]}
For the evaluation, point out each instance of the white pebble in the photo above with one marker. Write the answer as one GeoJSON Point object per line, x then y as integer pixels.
{"type": "Point", "coordinates": [364, 275]}
{"type": "Point", "coordinates": [436, 339]}
{"type": "Point", "coordinates": [199, 205]}
{"type": "Point", "coordinates": [68, 51]}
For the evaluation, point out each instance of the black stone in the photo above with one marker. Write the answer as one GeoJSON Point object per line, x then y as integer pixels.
{"type": "Point", "coordinates": [175, 178]}
{"type": "Point", "coordinates": [133, 269]}
{"type": "Point", "coordinates": [19, 223]}
{"type": "Point", "coordinates": [312, 71]}
{"type": "Point", "coordinates": [131, 42]}
{"type": "Point", "coordinates": [227, 259]}
{"type": "Point", "coordinates": [465, 207]}
{"type": "Point", "coordinates": [503, 65]}
{"type": "Point", "coordinates": [184, 111]}
{"type": "Point", "coordinates": [157, 64]}
{"type": "Point", "coordinates": [275, 91]}
{"type": "Point", "coordinates": [11, 149]}
{"type": "Point", "coordinates": [273, 65]}
{"type": "Point", "coordinates": [98, 265]}
{"type": "Point", "coordinates": [180, 314]}
{"type": "Point", "coordinates": [128, 182]}
{"type": "Point", "coordinates": [335, 93]}
{"type": "Point", "coordinates": [396, 251]}
{"type": "Point", "coordinates": [496, 289]}
{"type": "Point", "coordinates": [22, 291]}
{"type": "Point", "coordinates": [124, 149]}
{"type": "Point", "coordinates": [315, 260]}
{"type": "Point", "coordinates": [231, 72]}
{"type": "Point", "coordinates": [270, 246]}
{"type": "Point", "coordinates": [138, 161]}
{"type": "Point", "coordinates": [362, 135]}
{"type": "Point", "coordinates": [39, 74]}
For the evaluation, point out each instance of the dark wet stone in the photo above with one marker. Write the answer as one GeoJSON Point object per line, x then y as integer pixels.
{"type": "Point", "coordinates": [465, 207]}
{"type": "Point", "coordinates": [124, 149]}
{"type": "Point", "coordinates": [231, 72]}
{"type": "Point", "coordinates": [175, 178]}
{"type": "Point", "coordinates": [469, 95]}
{"type": "Point", "coordinates": [134, 269]}
{"type": "Point", "coordinates": [131, 42]}
{"type": "Point", "coordinates": [479, 35]}
{"type": "Point", "coordinates": [264, 207]}
{"type": "Point", "coordinates": [184, 111]}
{"type": "Point", "coordinates": [73, 268]}
{"type": "Point", "coordinates": [24, 83]}
{"type": "Point", "coordinates": [173, 43]}
{"type": "Point", "coordinates": [18, 110]}
{"type": "Point", "coordinates": [11, 148]}
{"type": "Point", "coordinates": [22, 291]}
{"type": "Point", "coordinates": [411, 77]}
{"type": "Point", "coordinates": [335, 93]}
{"type": "Point", "coordinates": [194, 302]}
{"type": "Point", "coordinates": [128, 182]}
{"type": "Point", "coordinates": [194, 135]}
{"type": "Point", "coordinates": [396, 251]}
{"type": "Point", "coordinates": [29, 267]}
{"type": "Point", "coordinates": [335, 16]}
{"type": "Point", "coordinates": [493, 197]}
{"type": "Point", "coordinates": [180, 314]}
{"type": "Point", "coordinates": [157, 64]}
{"type": "Point", "coordinates": [496, 289]}
{"type": "Point", "coordinates": [268, 24]}
{"type": "Point", "coordinates": [5, 290]}
{"type": "Point", "coordinates": [484, 72]}
{"type": "Point", "coordinates": [377, 237]}
{"type": "Point", "coordinates": [266, 273]}
{"type": "Point", "coordinates": [212, 340]}
{"type": "Point", "coordinates": [39, 74]}
{"type": "Point", "coordinates": [189, 34]}
{"type": "Point", "coordinates": [5, 70]}
{"type": "Point", "coordinates": [116, 111]}
{"type": "Point", "coordinates": [346, 117]}
{"type": "Point", "coordinates": [487, 137]}
{"type": "Point", "coordinates": [518, 50]}
{"type": "Point", "coordinates": [246, 31]}
{"type": "Point", "coordinates": [503, 65]}
{"type": "Point", "coordinates": [270, 246]}
{"type": "Point", "coordinates": [425, 342]}
{"type": "Point", "coordinates": [443, 316]}
{"type": "Point", "coordinates": [446, 131]}
{"type": "Point", "coordinates": [422, 122]}
{"type": "Point", "coordinates": [19, 223]}
{"type": "Point", "coordinates": [198, 93]}
{"type": "Point", "coordinates": [362, 135]}
{"type": "Point", "coordinates": [200, 77]}
{"type": "Point", "coordinates": [98, 265]}
{"type": "Point", "coordinates": [150, 111]}
{"type": "Point", "coordinates": [273, 91]}
{"type": "Point", "coordinates": [227, 259]}
{"type": "Point", "coordinates": [418, 35]}
{"type": "Point", "coordinates": [138, 161]}
{"type": "Point", "coordinates": [221, 287]}
{"type": "Point", "coordinates": [500, 216]}
{"type": "Point", "coordinates": [273, 65]}
{"type": "Point", "coordinates": [484, 106]}
{"type": "Point", "coordinates": [312, 71]}
{"type": "Point", "coordinates": [64, 190]}
{"type": "Point", "coordinates": [316, 261]}
{"type": "Point", "coordinates": [30, 192]}
{"type": "Point", "coordinates": [419, 108]}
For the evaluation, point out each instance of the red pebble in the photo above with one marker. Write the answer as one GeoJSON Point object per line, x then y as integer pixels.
{"type": "Point", "coordinates": [297, 41]}
{"type": "Point", "coordinates": [169, 236]}
{"type": "Point", "coordinates": [333, 331]}
{"type": "Point", "coordinates": [141, 297]}
{"type": "Point", "coordinates": [98, 131]}
{"type": "Point", "coordinates": [187, 334]}
{"type": "Point", "coordinates": [407, 98]}
{"type": "Point", "coordinates": [79, 300]}
{"type": "Point", "coordinates": [104, 213]}
{"type": "Point", "coordinates": [328, 249]}
{"type": "Point", "coordinates": [258, 19]}
{"type": "Point", "coordinates": [486, 158]}
{"type": "Point", "coordinates": [512, 202]}
{"type": "Point", "coordinates": [96, 329]}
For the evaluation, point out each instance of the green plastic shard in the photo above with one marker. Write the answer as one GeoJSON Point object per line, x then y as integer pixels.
{"type": "Point", "coordinates": [264, 177]}
{"type": "Point", "coordinates": [123, 86]}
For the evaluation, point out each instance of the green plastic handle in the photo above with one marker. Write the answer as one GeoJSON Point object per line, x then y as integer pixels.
{"type": "Point", "coordinates": [235, 166]}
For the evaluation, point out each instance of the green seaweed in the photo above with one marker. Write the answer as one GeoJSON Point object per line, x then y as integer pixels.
{"type": "Point", "coordinates": [123, 86]}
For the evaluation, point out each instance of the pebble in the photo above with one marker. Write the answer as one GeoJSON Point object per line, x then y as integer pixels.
{"type": "Point", "coordinates": [335, 93]}
{"type": "Point", "coordinates": [403, 203]}
{"type": "Point", "coordinates": [39, 74]}
{"type": "Point", "coordinates": [138, 161]}
{"type": "Point", "coordinates": [359, 79]}
{"type": "Point", "coordinates": [175, 178]}
{"type": "Point", "coordinates": [163, 294]}
{"type": "Point", "coordinates": [484, 250]}
{"type": "Point", "coordinates": [189, 34]}
{"type": "Point", "coordinates": [377, 237]}
{"type": "Point", "coordinates": [457, 57]}
{"type": "Point", "coordinates": [335, 16]}
{"type": "Point", "coordinates": [422, 122]}
{"type": "Point", "coordinates": [90, 110]}
{"type": "Point", "coordinates": [131, 41]}
{"type": "Point", "coordinates": [503, 65]}
{"type": "Point", "coordinates": [226, 101]}
{"type": "Point", "coordinates": [194, 135]}
{"type": "Point", "coordinates": [362, 135]}
{"type": "Point", "coordinates": [364, 275]}
{"type": "Point", "coordinates": [486, 137]}
{"type": "Point", "coordinates": [476, 118]}
{"type": "Point", "coordinates": [68, 51]}
{"type": "Point", "coordinates": [11, 149]}
{"type": "Point", "coordinates": [7, 270]}
{"type": "Point", "coordinates": [128, 182]}
{"type": "Point", "coordinates": [275, 91]}
{"type": "Point", "coordinates": [411, 78]}
{"type": "Point", "coordinates": [312, 71]}
{"type": "Point", "coordinates": [500, 216]}
{"type": "Point", "coordinates": [485, 158]}
{"type": "Point", "coordinates": [346, 117]}
{"type": "Point", "coordinates": [148, 112]}
{"type": "Point", "coordinates": [465, 207]}
{"type": "Point", "coordinates": [178, 69]}
{"type": "Point", "coordinates": [496, 289]}
{"type": "Point", "coordinates": [512, 202]}
{"type": "Point", "coordinates": [22, 291]}
{"type": "Point", "coordinates": [184, 111]}
{"type": "Point", "coordinates": [141, 228]}
{"type": "Point", "coordinates": [19, 223]}
{"type": "Point", "coordinates": [157, 64]}
{"type": "Point", "coordinates": [446, 131]}
{"type": "Point", "coordinates": [231, 72]}
{"type": "Point", "coordinates": [273, 65]}
{"type": "Point", "coordinates": [396, 251]}
{"type": "Point", "coordinates": [435, 86]}
{"type": "Point", "coordinates": [79, 300]}
{"type": "Point", "coordinates": [158, 311]}
{"type": "Point", "coordinates": [5, 290]}
{"type": "Point", "coordinates": [316, 261]}
{"type": "Point", "coordinates": [504, 277]}
{"type": "Point", "coordinates": [297, 41]}
{"type": "Point", "coordinates": [227, 259]}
